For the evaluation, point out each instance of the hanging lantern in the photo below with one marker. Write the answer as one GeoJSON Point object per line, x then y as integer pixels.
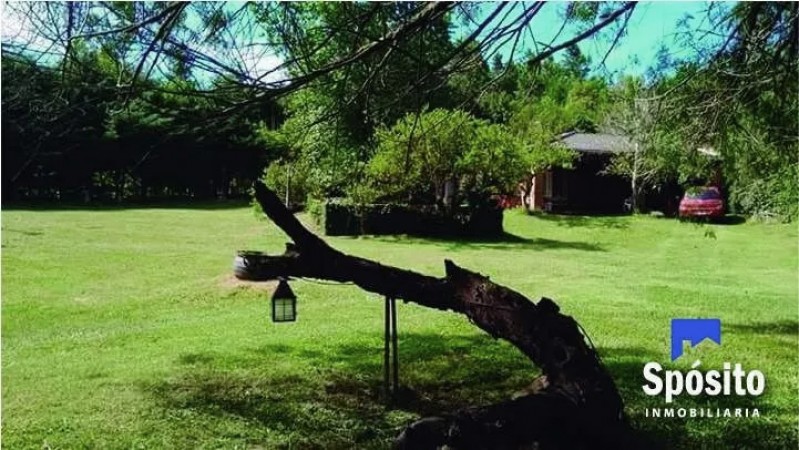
{"type": "Point", "coordinates": [284, 303]}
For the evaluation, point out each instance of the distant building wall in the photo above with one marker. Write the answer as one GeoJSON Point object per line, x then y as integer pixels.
{"type": "Point", "coordinates": [536, 200]}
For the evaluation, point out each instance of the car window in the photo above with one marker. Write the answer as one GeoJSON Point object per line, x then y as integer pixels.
{"type": "Point", "coordinates": [704, 194]}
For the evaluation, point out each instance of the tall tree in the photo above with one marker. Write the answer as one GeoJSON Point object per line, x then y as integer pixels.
{"type": "Point", "coordinates": [740, 96]}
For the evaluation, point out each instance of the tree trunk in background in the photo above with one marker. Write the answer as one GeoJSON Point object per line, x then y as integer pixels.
{"type": "Point", "coordinates": [634, 182]}
{"type": "Point", "coordinates": [288, 185]}
{"type": "Point", "coordinates": [575, 403]}
{"type": "Point", "coordinates": [120, 185]}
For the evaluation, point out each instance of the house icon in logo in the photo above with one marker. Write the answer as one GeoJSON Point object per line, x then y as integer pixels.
{"type": "Point", "coordinates": [694, 331]}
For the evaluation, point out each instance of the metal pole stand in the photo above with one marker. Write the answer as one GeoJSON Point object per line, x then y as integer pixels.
{"type": "Point", "coordinates": [390, 355]}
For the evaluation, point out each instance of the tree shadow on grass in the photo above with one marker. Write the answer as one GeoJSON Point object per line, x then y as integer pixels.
{"type": "Point", "coordinates": [789, 328]}
{"type": "Point", "coordinates": [620, 222]}
{"type": "Point", "coordinates": [441, 373]}
{"type": "Point", "coordinates": [340, 402]}
{"type": "Point", "coordinates": [506, 241]}
{"type": "Point", "coordinates": [116, 206]}
{"type": "Point", "coordinates": [730, 219]}
{"type": "Point", "coordinates": [23, 232]}
{"type": "Point", "coordinates": [626, 367]}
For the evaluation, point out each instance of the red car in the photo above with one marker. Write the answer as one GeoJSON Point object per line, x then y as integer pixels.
{"type": "Point", "coordinates": [702, 202]}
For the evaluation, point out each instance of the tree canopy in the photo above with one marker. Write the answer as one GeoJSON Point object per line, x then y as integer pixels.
{"type": "Point", "coordinates": [140, 100]}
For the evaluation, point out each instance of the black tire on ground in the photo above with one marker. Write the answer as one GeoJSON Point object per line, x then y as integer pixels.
{"type": "Point", "coordinates": [243, 263]}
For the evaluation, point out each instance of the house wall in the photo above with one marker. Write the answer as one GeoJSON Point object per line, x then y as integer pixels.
{"type": "Point", "coordinates": [539, 182]}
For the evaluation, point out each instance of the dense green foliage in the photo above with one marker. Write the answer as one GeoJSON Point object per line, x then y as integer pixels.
{"type": "Point", "coordinates": [75, 136]}
{"type": "Point", "coordinates": [444, 157]}
{"type": "Point", "coordinates": [93, 125]}
{"type": "Point", "coordinates": [743, 103]}
{"type": "Point", "coordinates": [172, 353]}
{"type": "Point", "coordinates": [500, 138]}
{"type": "Point", "coordinates": [331, 123]}
{"type": "Point", "coordinates": [759, 128]}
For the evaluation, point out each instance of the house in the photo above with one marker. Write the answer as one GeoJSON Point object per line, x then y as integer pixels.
{"type": "Point", "coordinates": [585, 188]}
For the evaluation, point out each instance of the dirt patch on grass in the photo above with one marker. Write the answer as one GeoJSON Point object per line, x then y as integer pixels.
{"type": "Point", "coordinates": [231, 282]}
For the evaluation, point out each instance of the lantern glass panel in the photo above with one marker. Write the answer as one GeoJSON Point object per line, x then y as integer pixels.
{"type": "Point", "coordinates": [284, 309]}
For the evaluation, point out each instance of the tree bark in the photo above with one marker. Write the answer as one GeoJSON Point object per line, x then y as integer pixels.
{"type": "Point", "coordinates": [575, 404]}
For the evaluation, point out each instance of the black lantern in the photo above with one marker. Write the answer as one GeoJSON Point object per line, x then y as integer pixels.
{"type": "Point", "coordinates": [284, 303]}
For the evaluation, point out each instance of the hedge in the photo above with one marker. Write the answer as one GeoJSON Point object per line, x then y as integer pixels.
{"type": "Point", "coordinates": [339, 218]}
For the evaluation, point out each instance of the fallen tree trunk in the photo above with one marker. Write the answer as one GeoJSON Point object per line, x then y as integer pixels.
{"type": "Point", "coordinates": [575, 403]}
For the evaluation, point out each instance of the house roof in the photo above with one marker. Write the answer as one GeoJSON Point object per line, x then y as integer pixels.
{"type": "Point", "coordinates": [595, 142]}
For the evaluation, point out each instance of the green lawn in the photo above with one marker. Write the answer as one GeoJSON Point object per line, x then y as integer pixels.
{"type": "Point", "coordinates": [124, 329]}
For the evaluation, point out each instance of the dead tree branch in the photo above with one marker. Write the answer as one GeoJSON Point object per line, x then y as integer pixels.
{"type": "Point", "coordinates": [577, 403]}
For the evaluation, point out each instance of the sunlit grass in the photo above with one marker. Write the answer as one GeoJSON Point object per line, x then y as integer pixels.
{"type": "Point", "coordinates": [124, 329]}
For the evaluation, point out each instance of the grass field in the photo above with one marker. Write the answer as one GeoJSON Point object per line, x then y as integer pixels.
{"type": "Point", "coordinates": [124, 329]}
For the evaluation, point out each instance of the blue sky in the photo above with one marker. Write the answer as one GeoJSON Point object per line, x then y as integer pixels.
{"type": "Point", "coordinates": [652, 25]}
